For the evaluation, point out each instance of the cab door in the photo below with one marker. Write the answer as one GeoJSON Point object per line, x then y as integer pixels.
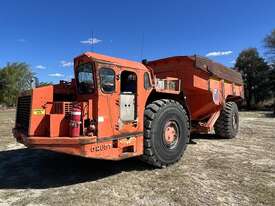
{"type": "Point", "coordinates": [117, 101]}
{"type": "Point", "coordinates": [108, 100]}
{"type": "Point", "coordinates": [128, 101]}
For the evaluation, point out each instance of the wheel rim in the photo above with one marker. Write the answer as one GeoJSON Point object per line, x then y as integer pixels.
{"type": "Point", "coordinates": [235, 122]}
{"type": "Point", "coordinates": [171, 134]}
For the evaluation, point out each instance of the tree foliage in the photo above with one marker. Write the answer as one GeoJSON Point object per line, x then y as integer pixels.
{"type": "Point", "coordinates": [255, 72]}
{"type": "Point", "coordinates": [269, 43]}
{"type": "Point", "coordinates": [42, 84]}
{"type": "Point", "coordinates": [14, 78]}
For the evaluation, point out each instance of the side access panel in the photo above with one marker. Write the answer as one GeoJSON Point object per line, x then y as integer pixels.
{"type": "Point", "coordinates": [127, 107]}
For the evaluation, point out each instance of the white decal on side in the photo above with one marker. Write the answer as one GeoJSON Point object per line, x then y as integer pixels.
{"type": "Point", "coordinates": [100, 119]}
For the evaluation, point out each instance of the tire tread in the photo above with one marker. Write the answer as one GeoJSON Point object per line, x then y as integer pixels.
{"type": "Point", "coordinates": [150, 113]}
{"type": "Point", "coordinates": [223, 126]}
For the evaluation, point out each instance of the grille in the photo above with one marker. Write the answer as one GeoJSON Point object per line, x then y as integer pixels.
{"type": "Point", "coordinates": [68, 108]}
{"type": "Point", "coordinates": [23, 113]}
{"type": "Point", "coordinates": [62, 108]}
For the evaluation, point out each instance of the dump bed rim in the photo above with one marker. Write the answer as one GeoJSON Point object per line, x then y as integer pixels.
{"type": "Point", "coordinates": [209, 66]}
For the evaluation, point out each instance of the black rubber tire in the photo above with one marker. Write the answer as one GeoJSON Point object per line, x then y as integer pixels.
{"type": "Point", "coordinates": [224, 126]}
{"type": "Point", "coordinates": [156, 115]}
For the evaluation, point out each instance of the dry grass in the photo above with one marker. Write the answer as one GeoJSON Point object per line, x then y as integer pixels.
{"type": "Point", "coordinates": [212, 172]}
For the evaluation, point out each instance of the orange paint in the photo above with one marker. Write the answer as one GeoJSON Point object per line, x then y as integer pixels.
{"type": "Point", "coordinates": [43, 120]}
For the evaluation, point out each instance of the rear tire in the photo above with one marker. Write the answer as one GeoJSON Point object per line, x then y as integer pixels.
{"type": "Point", "coordinates": [227, 125]}
{"type": "Point", "coordinates": [166, 132]}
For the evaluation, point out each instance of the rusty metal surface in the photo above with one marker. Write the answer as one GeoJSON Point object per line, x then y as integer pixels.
{"type": "Point", "coordinates": [217, 69]}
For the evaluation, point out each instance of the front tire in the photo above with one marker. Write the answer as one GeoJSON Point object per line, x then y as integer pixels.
{"type": "Point", "coordinates": [227, 125]}
{"type": "Point", "coordinates": [166, 132]}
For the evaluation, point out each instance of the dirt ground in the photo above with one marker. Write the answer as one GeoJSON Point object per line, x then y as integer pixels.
{"type": "Point", "coordinates": [214, 171]}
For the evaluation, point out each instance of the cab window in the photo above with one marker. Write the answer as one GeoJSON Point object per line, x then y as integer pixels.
{"type": "Point", "coordinates": [147, 84]}
{"type": "Point", "coordinates": [107, 80]}
{"type": "Point", "coordinates": [128, 82]}
{"type": "Point", "coordinates": [85, 79]}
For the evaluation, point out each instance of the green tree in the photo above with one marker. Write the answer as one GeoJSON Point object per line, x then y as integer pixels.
{"type": "Point", "coordinates": [269, 43]}
{"type": "Point", "coordinates": [42, 84]}
{"type": "Point", "coordinates": [14, 78]}
{"type": "Point", "coordinates": [255, 72]}
{"type": "Point", "coordinates": [272, 83]}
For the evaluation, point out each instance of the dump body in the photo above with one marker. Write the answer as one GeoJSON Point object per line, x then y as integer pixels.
{"type": "Point", "coordinates": [206, 84]}
{"type": "Point", "coordinates": [109, 95]}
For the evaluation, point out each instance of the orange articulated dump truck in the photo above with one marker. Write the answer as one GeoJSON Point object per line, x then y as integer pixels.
{"type": "Point", "coordinates": [116, 109]}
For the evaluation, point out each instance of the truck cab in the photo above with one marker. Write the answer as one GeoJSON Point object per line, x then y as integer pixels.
{"type": "Point", "coordinates": [112, 92]}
